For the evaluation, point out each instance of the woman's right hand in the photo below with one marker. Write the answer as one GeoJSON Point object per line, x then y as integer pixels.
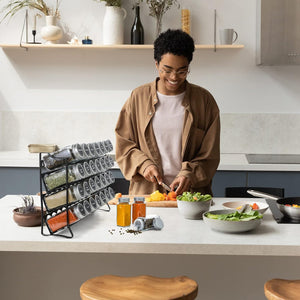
{"type": "Point", "coordinates": [152, 174]}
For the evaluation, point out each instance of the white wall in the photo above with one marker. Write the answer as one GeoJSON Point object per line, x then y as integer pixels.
{"type": "Point", "coordinates": [99, 81]}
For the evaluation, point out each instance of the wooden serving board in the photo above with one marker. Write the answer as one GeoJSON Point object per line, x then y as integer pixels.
{"type": "Point", "coordinates": [149, 204]}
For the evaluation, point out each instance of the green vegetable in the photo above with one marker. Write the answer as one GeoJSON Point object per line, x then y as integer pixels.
{"type": "Point", "coordinates": [236, 216]}
{"type": "Point", "coordinates": [193, 197]}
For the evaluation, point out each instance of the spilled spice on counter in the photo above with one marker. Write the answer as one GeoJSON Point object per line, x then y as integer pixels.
{"type": "Point", "coordinates": [123, 231]}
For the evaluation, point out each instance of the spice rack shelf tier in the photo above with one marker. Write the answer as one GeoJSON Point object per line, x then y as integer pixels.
{"type": "Point", "coordinates": [111, 47]}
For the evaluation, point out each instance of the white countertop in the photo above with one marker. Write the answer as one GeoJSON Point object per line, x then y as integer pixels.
{"type": "Point", "coordinates": [179, 235]}
{"type": "Point", "coordinates": [228, 162]}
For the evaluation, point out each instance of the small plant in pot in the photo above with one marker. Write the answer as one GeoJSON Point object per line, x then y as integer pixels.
{"type": "Point", "coordinates": [28, 214]}
{"type": "Point", "coordinates": [193, 205]}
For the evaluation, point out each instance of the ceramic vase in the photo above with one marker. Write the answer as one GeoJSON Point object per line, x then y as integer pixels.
{"type": "Point", "coordinates": [28, 219]}
{"type": "Point", "coordinates": [113, 25]}
{"type": "Point", "coordinates": [51, 33]}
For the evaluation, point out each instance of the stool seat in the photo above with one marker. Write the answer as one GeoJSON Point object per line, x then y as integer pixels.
{"type": "Point", "coordinates": [111, 287]}
{"type": "Point", "coordinates": [281, 289]}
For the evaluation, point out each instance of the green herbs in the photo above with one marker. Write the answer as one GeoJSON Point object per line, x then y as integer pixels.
{"type": "Point", "coordinates": [192, 197]}
{"type": "Point", "coordinates": [236, 216]}
{"type": "Point", "coordinates": [57, 179]}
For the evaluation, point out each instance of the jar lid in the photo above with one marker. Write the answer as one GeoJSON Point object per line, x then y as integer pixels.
{"type": "Point", "coordinates": [79, 211]}
{"type": "Point", "coordinates": [98, 165]}
{"type": "Point", "coordinates": [86, 150]}
{"type": "Point", "coordinates": [78, 191]}
{"type": "Point", "coordinates": [123, 199]}
{"type": "Point", "coordinates": [138, 224]}
{"type": "Point", "coordinates": [86, 188]}
{"type": "Point", "coordinates": [87, 168]}
{"type": "Point", "coordinates": [98, 200]}
{"type": "Point", "coordinates": [87, 206]}
{"type": "Point", "coordinates": [97, 149]}
{"type": "Point", "coordinates": [103, 181]}
{"type": "Point", "coordinates": [93, 203]}
{"type": "Point", "coordinates": [103, 163]}
{"type": "Point", "coordinates": [102, 197]}
{"type": "Point", "coordinates": [93, 167]}
{"type": "Point", "coordinates": [92, 185]}
{"type": "Point", "coordinates": [139, 199]}
{"type": "Point", "coordinates": [107, 178]}
{"type": "Point", "coordinates": [102, 147]}
{"type": "Point", "coordinates": [158, 223]}
{"type": "Point", "coordinates": [79, 171]}
{"type": "Point", "coordinates": [78, 151]}
{"type": "Point", "coordinates": [108, 145]}
{"type": "Point", "coordinates": [97, 182]}
{"type": "Point", "coordinates": [111, 193]}
{"type": "Point", "coordinates": [92, 149]}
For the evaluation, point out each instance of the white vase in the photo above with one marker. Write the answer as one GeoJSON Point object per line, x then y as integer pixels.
{"type": "Point", "coordinates": [113, 25]}
{"type": "Point", "coordinates": [51, 33]}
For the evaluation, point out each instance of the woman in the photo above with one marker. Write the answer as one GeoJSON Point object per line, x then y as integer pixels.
{"type": "Point", "coordinates": [169, 130]}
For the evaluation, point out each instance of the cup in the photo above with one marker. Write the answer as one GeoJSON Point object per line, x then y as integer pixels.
{"type": "Point", "coordinates": [228, 36]}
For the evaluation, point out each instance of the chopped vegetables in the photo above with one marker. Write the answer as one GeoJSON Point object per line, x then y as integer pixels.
{"type": "Point", "coordinates": [171, 196]}
{"type": "Point", "coordinates": [236, 216]}
{"type": "Point", "coordinates": [254, 206]}
{"type": "Point", "coordinates": [156, 196]}
{"type": "Point", "coordinates": [292, 205]}
{"type": "Point", "coordinates": [188, 196]}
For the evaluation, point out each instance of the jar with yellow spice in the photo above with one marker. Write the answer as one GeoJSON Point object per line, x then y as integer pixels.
{"type": "Point", "coordinates": [123, 212]}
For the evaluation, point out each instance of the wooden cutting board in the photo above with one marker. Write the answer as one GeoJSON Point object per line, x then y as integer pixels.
{"type": "Point", "coordinates": [149, 204]}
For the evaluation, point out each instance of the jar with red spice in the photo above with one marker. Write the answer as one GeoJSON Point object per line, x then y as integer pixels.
{"type": "Point", "coordinates": [138, 208]}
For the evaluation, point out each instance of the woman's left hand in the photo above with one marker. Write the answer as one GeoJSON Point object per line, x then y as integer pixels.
{"type": "Point", "coordinates": [182, 183]}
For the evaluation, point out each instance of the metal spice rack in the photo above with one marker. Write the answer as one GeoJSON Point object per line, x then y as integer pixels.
{"type": "Point", "coordinates": [47, 213]}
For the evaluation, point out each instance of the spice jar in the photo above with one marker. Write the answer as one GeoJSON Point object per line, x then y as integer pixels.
{"type": "Point", "coordinates": [87, 169]}
{"type": "Point", "coordinates": [86, 150]}
{"type": "Point", "coordinates": [111, 176]}
{"type": "Point", "coordinates": [98, 201]}
{"type": "Point", "coordinates": [102, 148]}
{"type": "Point", "coordinates": [110, 161]}
{"type": "Point", "coordinates": [75, 193]}
{"type": "Point", "coordinates": [79, 211]}
{"type": "Point", "coordinates": [138, 208]}
{"type": "Point", "coordinates": [97, 183]}
{"type": "Point", "coordinates": [58, 178]}
{"type": "Point", "coordinates": [63, 156]}
{"type": "Point", "coordinates": [60, 220]}
{"type": "Point", "coordinates": [102, 198]}
{"type": "Point", "coordinates": [147, 223]}
{"type": "Point", "coordinates": [93, 167]}
{"type": "Point", "coordinates": [103, 181]}
{"type": "Point", "coordinates": [107, 178]}
{"type": "Point", "coordinates": [123, 212]}
{"type": "Point", "coordinates": [108, 145]}
{"type": "Point", "coordinates": [92, 185]}
{"type": "Point", "coordinates": [104, 166]}
{"type": "Point", "coordinates": [87, 206]}
{"type": "Point", "coordinates": [93, 203]}
{"type": "Point", "coordinates": [86, 188]}
{"type": "Point", "coordinates": [97, 149]}
{"type": "Point", "coordinates": [92, 149]}
{"type": "Point", "coordinates": [98, 165]}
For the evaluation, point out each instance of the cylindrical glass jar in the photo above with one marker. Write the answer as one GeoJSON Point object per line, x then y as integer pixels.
{"type": "Point", "coordinates": [111, 176]}
{"type": "Point", "coordinates": [98, 200]}
{"type": "Point", "coordinates": [93, 167]}
{"type": "Point", "coordinates": [102, 147]}
{"type": "Point", "coordinates": [98, 165]}
{"type": "Point", "coordinates": [104, 183]}
{"type": "Point", "coordinates": [97, 149]}
{"type": "Point", "coordinates": [108, 146]}
{"type": "Point", "coordinates": [138, 208]}
{"type": "Point", "coordinates": [150, 222]}
{"type": "Point", "coordinates": [93, 203]}
{"type": "Point", "coordinates": [111, 193]}
{"type": "Point", "coordinates": [79, 211]}
{"type": "Point", "coordinates": [107, 178]}
{"type": "Point", "coordinates": [57, 158]}
{"type": "Point", "coordinates": [59, 177]}
{"type": "Point", "coordinates": [102, 198]}
{"type": "Point", "coordinates": [87, 169]}
{"type": "Point", "coordinates": [97, 183]}
{"type": "Point", "coordinates": [87, 206]}
{"type": "Point", "coordinates": [86, 188]}
{"type": "Point", "coordinates": [92, 149]}
{"type": "Point", "coordinates": [60, 220]}
{"type": "Point", "coordinates": [103, 163]}
{"type": "Point", "coordinates": [75, 193]}
{"type": "Point", "coordinates": [86, 150]}
{"type": "Point", "coordinates": [77, 151]}
{"type": "Point", "coordinates": [123, 212]}
{"type": "Point", "coordinates": [92, 185]}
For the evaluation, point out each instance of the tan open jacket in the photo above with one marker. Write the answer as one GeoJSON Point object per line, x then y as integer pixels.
{"type": "Point", "coordinates": [136, 146]}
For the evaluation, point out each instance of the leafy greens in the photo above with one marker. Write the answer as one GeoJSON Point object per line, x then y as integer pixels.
{"type": "Point", "coordinates": [193, 197]}
{"type": "Point", "coordinates": [236, 216]}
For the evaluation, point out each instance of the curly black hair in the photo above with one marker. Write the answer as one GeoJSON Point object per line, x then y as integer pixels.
{"type": "Point", "coordinates": [175, 42]}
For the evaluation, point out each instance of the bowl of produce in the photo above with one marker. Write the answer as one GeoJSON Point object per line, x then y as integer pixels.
{"type": "Point", "coordinates": [259, 206]}
{"type": "Point", "coordinates": [193, 205]}
{"type": "Point", "coordinates": [232, 221]}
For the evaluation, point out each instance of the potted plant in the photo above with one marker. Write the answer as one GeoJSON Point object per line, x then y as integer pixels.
{"type": "Point", "coordinates": [14, 6]}
{"type": "Point", "coordinates": [157, 8]}
{"type": "Point", "coordinates": [113, 22]}
{"type": "Point", "coordinates": [28, 214]}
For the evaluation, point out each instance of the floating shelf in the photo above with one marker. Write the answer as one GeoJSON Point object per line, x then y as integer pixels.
{"type": "Point", "coordinates": [100, 47]}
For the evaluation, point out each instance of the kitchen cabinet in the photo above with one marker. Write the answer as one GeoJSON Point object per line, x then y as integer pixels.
{"type": "Point", "coordinates": [278, 31]}
{"type": "Point", "coordinates": [18, 180]}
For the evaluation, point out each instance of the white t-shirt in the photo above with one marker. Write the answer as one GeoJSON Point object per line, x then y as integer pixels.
{"type": "Point", "coordinates": [167, 125]}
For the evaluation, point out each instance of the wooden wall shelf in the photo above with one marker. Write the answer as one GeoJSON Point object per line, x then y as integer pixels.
{"type": "Point", "coordinates": [111, 47]}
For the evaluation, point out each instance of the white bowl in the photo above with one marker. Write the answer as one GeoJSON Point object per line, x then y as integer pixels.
{"type": "Point", "coordinates": [193, 209]}
{"type": "Point", "coordinates": [235, 204]}
{"type": "Point", "coordinates": [229, 226]}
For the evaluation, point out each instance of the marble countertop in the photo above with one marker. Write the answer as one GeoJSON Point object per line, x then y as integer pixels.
{"type": "Point", "coordinates": [98, 233]}
{"type": "Point", "coordinates": [228, 162]}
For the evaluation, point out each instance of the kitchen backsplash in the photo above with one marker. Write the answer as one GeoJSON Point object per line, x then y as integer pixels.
{"type": "Point", "coordinates": [240, 133]}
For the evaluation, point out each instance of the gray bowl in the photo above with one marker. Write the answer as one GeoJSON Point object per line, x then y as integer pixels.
{"type": "Point", "coordinates": [230, 226]}
{"type": "Point", "coordinates": [193, 209]}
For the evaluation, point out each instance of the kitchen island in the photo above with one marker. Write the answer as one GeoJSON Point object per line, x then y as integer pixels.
{"type": "Point", "coordinates": [224, 265]}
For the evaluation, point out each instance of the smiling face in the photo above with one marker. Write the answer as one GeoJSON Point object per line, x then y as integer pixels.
{"type": "Point", "coordinates": [173, 70]}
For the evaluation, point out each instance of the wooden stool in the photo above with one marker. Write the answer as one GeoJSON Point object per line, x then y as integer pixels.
{"type": "Point", "coordinates": [281, 289]}
{"type": "Point", "coordinates": [110, 287]}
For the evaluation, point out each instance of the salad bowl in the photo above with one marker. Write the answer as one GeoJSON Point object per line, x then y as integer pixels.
{"type": "Point", "coordinates": [236, 205]}
{"type": "Point", "coordinates": [235, 224]}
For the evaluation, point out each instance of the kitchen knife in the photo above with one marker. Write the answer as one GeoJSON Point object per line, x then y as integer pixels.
{"type": "Point", "coordinates": [165, 186]}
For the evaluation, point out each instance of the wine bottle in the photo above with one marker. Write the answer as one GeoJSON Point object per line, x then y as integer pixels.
{"type": "Point", "coordinates": [137, 30]}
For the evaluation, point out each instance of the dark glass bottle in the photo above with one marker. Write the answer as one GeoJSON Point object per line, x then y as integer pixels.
{"type": "Point", "coordinates": [137, 30]}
